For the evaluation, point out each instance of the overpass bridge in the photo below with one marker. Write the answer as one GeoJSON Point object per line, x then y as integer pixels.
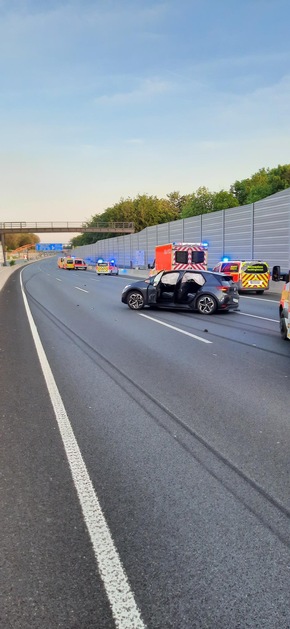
{"type": "Point", "coordinates": [100, 227]}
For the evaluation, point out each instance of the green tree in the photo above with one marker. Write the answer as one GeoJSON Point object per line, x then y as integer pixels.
{"type": "Point", "coordinates": [223, 200]}
{"type": "Point", "coordinates": [143, 211]}
{"type": "Point", "coordinates": [177, 201]}
{"type": "Point", "coordinates": [13, 241]}
{"type": "Point", "coordinates": [199, 202]}
{"type": "Point", "coordinates": [262, 184]}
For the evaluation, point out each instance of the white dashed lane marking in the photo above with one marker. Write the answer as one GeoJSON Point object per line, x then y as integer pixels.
{"type": "Point", "coordinates": [172, 327]}
{"type": "Point", "coordinates": [82, 289]}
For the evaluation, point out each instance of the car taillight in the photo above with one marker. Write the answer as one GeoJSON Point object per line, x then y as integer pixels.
{"type": "Point", "coordinates": [224, 289]}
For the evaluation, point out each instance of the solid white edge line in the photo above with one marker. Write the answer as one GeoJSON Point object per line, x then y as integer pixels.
{"type": "Point", "coordinates": [172, 327]}
{"type": "Point", "coordinates": [124, 609]}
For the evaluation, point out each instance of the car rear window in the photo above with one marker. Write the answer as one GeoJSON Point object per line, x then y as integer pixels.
{"type": "Point", "coordinates": [222, 278]}
{"type": "Point", "coordinates": [226, 278]}
{"type": "Point", "coordinates": [69, 261]}
{"type": "Point", "coordinates": [78, 261]}
{"type": "Point", "coordinates": [181, 257]}
{"type": "Point", "coordinates": [230, 268]}
{"type": "Point", "coordinates": [197, 257]}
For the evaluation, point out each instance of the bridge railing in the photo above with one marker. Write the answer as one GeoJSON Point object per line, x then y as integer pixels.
{"type": "Point", "coordinates": [63, 224]}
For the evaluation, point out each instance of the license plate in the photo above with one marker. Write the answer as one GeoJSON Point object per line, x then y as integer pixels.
{"type": "Point", "coordinates": [255, 282]}
{"type": "Point", "coordinates": [235, 300]}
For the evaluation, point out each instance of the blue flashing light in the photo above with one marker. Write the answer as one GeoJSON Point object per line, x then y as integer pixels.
{"type": "Point", "coordinates": [204, 244]}
{"type": "Point", "coordinates": [225, 259]}
{"type": "Point", "coordinates": [99, 260]}
{"type": "Point", "coordinates": [112, 261]}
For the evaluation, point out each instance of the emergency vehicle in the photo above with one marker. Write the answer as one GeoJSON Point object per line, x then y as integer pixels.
{"type": "Point", "coordinates": [60, 262]}
{"type": "Point", "coordinates": [79, 263]}
{"type": "Point", "coordinates": [180, 256]}
{"type": "Point", "coordinates": [284, 306]}
{"type": "Point", "coordinates": [106, 268]}
{"type": "Point", "coordinates": [249, 275]}
{"type": "Point", "coordinates": [68, 263]}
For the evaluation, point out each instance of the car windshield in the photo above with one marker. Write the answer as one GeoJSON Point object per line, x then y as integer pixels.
{"type": "Point", "coordinates": [255, 267]}
{"type": "Point", "coordinates": [155, 279]}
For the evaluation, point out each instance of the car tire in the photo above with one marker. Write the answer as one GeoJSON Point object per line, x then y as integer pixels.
{"type": "Point", "coordinates": [135, 300]}
{"type": "Point", "coordinates": [283, 327]}
{"type": "Point", "coordinates": [259, 292]}
{"type": "Point", "coordinates": [206, 304]}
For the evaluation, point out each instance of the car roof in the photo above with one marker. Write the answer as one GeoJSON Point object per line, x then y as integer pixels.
{"type": "Point", "coordinates": [238, 261]}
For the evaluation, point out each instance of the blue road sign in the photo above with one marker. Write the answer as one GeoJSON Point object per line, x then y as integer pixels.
{"type": "Point", "coordinates": [48, 246]}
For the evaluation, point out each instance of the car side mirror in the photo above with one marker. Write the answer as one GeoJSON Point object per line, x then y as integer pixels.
{"type": "Point", "coordinates": [276, 273]}
{"type": "Point", "coordinates": [277, 276]}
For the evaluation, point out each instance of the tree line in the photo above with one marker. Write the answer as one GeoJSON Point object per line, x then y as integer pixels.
{"type": "Point", "coordinates": [146, 210]}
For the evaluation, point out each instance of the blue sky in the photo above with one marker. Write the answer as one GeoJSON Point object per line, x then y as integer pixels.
{"type": "Point", "coordinates": [106, 99]}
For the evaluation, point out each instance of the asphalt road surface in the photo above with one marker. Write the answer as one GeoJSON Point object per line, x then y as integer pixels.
{"type": "Point", "coordinates": [144, 460]}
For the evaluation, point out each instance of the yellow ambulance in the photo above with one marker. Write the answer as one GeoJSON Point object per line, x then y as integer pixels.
{"type": "Point", "coordinates": [68, 263]}
{"type": "Point", "coordinates": [60, 262]}
{"type": "Point", "coordinates": [249, 275]}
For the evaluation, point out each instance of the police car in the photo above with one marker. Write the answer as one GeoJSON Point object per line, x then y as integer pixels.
{"type": "Point", "coordinates": [106, 267]}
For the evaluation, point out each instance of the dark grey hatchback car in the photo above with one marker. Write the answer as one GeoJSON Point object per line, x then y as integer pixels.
{"type": "Point", "coordinates": [201, 291]}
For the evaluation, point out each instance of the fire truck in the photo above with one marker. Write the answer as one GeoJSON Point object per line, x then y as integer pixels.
{"type": "Point", "coordinates": [284, 306]}
{"type": "Point", "coordinates": [179, 256]}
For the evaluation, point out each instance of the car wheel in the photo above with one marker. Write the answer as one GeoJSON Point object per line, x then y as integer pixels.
{"type": "Point", "coordinates": [283, 327]}
{"type": "Point", "coordinates": [135, 300]}
{"type": "Point", "coordinates": [259, 292]}
{"type": "Point", "coordinates": [206, 304]}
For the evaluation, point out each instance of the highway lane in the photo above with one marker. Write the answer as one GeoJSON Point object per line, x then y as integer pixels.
{"type": "Point", "coordinates": [186, 444]}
